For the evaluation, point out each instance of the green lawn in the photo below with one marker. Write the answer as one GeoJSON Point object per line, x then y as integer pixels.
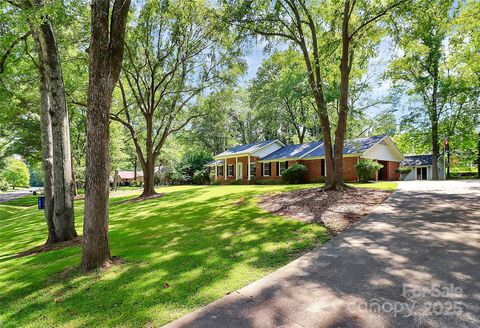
{"type": "Point", "coordinates": [184, 250]}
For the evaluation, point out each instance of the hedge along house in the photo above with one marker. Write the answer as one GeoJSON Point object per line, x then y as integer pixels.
{"type": "Point", "coordinates": [269, 159]}
{"type": "Point", "coordinates": [422, 166]}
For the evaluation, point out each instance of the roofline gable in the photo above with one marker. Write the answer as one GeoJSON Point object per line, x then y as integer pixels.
{"type": "Point", "coordinates": [390, 142]}
{"type": "Point", "coordinates": [321, 144]}
{"type": "Point", "coordinates": [248, 153]}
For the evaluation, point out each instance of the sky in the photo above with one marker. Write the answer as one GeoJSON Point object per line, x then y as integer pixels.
{"type": "Point", "coordinates": [376, 68]}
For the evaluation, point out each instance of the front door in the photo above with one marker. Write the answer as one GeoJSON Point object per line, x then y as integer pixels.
{"type": "Point", "coordinates": [239, 170]}
{"type": "Point", "coordinates": [421, 173]}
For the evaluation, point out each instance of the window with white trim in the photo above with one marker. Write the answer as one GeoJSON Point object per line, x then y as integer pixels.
{"type": "Point", "coordinates": [267, 169]}
{"type": "Point", "coordinates": [253, 169]}
{"type": "Point", "coordinates": [230, 170]}
{"type": "Point", "coordinates": [282, 166]}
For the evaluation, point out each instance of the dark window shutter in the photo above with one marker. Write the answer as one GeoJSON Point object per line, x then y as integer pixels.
{"type": "Point", "coordinates": [278, 169]}
{"type": "Point", "coordinates": [262, 169]}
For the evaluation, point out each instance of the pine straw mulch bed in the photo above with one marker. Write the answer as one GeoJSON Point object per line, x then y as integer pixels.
{"type": "Point", "coordinates": [336, 210]}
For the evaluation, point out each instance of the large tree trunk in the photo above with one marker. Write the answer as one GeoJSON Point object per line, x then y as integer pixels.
{"type": "Point", "coordinates": [63, 199]}
{"type": "Point", "coordinates": [115, 181]}
{"type": "Point", "coordinates": [149, 165]}
{"type": "Point", "coordinates": [478, 156]}
{"type": "Point", "coordinates": [434, 121]}
{"type": "Point", "coordinates": [105, 60]}
{"type": "Point", "coordinates": [47, 149]}
{"type": "Point", "coordinates": [148, 178]}
{"type": "Point", "coordinates": [337, 180]}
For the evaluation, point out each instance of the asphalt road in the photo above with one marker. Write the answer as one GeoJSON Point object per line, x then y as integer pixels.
{"type": "Point", "coordinates": [4, 197]}
{"type": "Point", "coordinates": [413, 262]}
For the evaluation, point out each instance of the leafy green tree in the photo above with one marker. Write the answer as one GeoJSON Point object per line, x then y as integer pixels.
{"type": "Point", "coordinates": [36, 175]}
{"type": "Point", "coordinates": [3, 184]}
{"type": "Point", "coordinates": [177, 51]}
{"type": "Point", "coordinates": [107, 43]}
{"type": "Point", "coordinates": [191, 162]}
{"type": "Point", "coordinates": [439, 80]}
{"type": "Point", "coordinates": [422, 33]}
{"type": "Point", "coordinates": [213, 131]}
{"type": "Point", "coordinates": [16, 173]}
{"type": "Point", "coordinates": [35, 19]}
{"type": "Point", "coordinates": [281, 97]}
{"type": "Point", "coordinates": [329, 35]}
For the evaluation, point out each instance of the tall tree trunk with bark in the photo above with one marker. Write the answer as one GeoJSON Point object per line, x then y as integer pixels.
{"type": "Point", "coordinates": [345, 67]}
{"type": "Point", "coordinates": [434, 119]}
{"type": "Point", "coordinates": [105, 61]}
{"type": "Point", "coordinates": [478, 156]}
{"type": "Point", "coordinates": [63, 198]}
{"type": "Point", "coordinates": [55, 137]}
{"type": "Point", "coordinates": [47, 149]}
{"type": "Point", "coordinates": [148, 178]}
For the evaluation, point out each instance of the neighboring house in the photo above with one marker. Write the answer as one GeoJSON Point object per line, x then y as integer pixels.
{"type": "Point", "coordinates": [127, 178]}
{"type": "Point", "coordinates": [422, 167]}
{"type": "Point", "coordinates": [268, 159]}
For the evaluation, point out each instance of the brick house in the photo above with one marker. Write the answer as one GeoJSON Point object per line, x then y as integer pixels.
{"type": "Point", "coordinates": [266, 160]}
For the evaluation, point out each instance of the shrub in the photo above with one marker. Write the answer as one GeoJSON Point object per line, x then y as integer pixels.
{"type": "Point", "coordinates": [404, 171]}
{"type": "Point", "coordinates": [191, 162]}
{"type": "Point", "coordinates": [267, 182]}
{"type": "Point", "coordinates": [295, 173]}
{"type": "Point", "coordinates": [366, 169]}
{"type": "Point", "coordinates": [201, 177]}
{"type": "Point", "coordinates": [3, 184]}
{"type": "Point", "coordinates": [236, 182]}
{"type": "Point", "coordinates": [215, 182]}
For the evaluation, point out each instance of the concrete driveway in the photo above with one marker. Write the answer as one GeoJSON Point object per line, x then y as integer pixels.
{"type": "Point", "coordinates": [413, 262]}
{"type": "Point", "coordinates": [13, 195]}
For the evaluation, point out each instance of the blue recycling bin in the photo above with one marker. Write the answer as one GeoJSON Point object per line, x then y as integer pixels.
{"type": "Point", "coordinates": [41, 202]}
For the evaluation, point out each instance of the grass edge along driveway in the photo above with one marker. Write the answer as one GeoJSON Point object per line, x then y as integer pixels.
{"type": "Point", "coordinates": [184, 250]}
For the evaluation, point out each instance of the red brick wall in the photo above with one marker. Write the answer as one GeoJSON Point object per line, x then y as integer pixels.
{"type": "Point", "coordinates": [273, 172]}
{"type": "Point", "coordinates": [392, 175]}
{"type": "Point", "coordinates": [349, 172]}
{"type": "Point", "coordinates": [314, 169]}
{"type": "Point", "coordinates": [313, 166]}
{"type": "Point", "coordinates": [244, 161]}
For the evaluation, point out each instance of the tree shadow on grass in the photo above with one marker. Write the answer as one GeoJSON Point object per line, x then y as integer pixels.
{"type": "Point", "coordinates": [183, 250]}
{"type": "Point", "coordinates": [417, 239]}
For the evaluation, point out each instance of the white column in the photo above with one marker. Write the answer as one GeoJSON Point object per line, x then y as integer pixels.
{"type": "Point", "coordinates": [236, 168]}
{"type": "Point", "coordinates": [248, 168]}
{"type": "Point", "coordinates": [215, 168]}
{"type": "Point", "coordinates": [225, 170]}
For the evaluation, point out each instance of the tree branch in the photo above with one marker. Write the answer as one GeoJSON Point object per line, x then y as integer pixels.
{"type": "Point", "coordinates": [10, 49]}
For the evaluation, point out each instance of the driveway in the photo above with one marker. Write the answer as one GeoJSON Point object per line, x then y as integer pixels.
{"type": "Point", "coordinates": [13, 195]}
{"type": "Point", "coordinates": [413, 262]}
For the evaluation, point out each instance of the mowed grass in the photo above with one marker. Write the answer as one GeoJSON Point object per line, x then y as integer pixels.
{"type": "Point", "coordinates": [182, 251]}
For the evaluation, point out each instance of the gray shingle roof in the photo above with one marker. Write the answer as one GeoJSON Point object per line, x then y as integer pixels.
{"type": "Point", "coordinates": [354, 146]}
{"type": "Point", "coordinates": [293, 151]}
{"type": "Point", "coordinates": [417, 160]}
{"type": "Point", "coordinates": [244, 149]}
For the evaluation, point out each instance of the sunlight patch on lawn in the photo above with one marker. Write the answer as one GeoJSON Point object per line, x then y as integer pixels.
{"type": "Point", "coordinates": [183, 250]}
